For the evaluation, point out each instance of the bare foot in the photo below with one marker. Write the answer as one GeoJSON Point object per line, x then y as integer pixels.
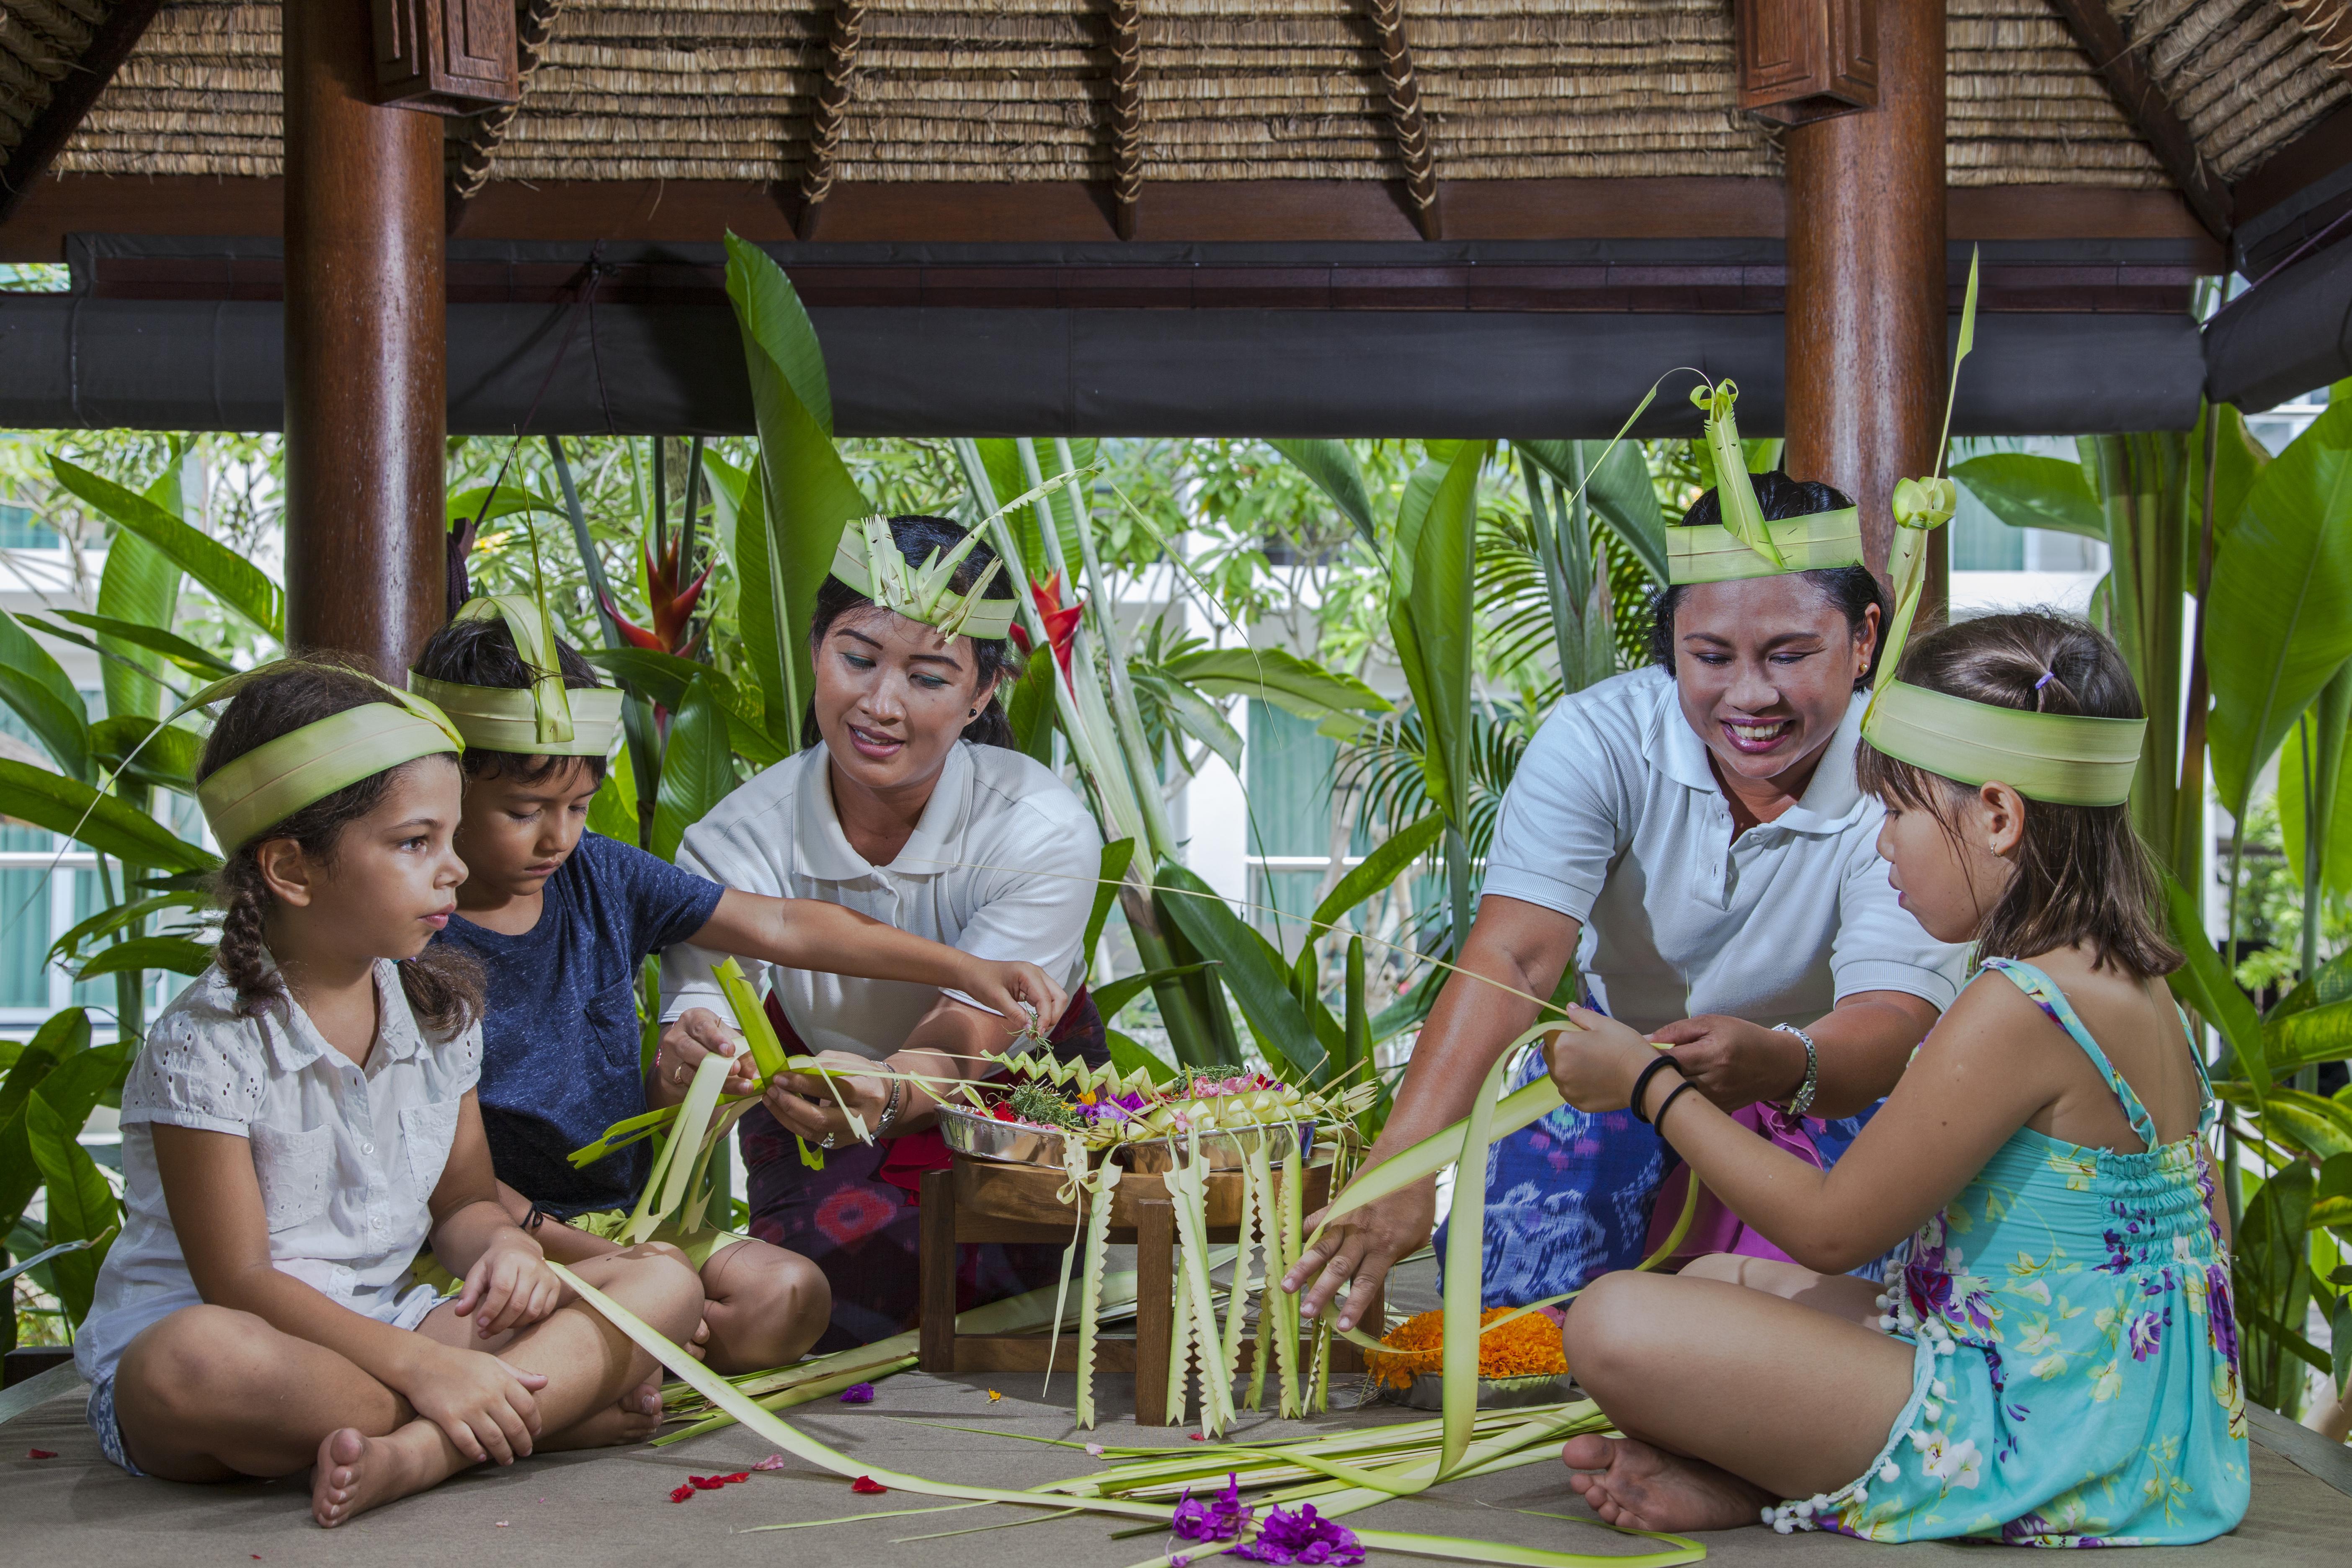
{"type": "Point", "coordinates": [356, 1472]}
{"type": "Point", "coordinates": [1642, 1488]}
{"type": "Point", "coordinates": [633, 1418]}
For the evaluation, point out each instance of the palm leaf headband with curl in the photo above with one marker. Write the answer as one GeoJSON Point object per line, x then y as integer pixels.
{"type": "Point", "coordinates": [1747, 544]}
{"type": "Point", "coordinates": [545, 719]}
{"type": "Point", "coordinates": [2065, 759]}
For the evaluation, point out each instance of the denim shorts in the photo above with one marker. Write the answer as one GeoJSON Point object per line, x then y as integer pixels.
{"type": "Point", "coordinates": [108, 1430]}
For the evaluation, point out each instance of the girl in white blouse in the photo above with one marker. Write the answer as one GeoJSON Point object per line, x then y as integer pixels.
{"type": "Point", "coordinates": [303, 1119]}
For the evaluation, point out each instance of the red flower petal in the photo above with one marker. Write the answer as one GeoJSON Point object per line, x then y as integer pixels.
{"type": "Point", "coordinates": [38, 1454]}
{"type": "Point", "coordinates": [868, 1486]}
{"type": "Point", "coordinates": [683, 1494]}
{"type": "Point", "coordinates": [706, 1483]}
{"type": "Point", "coordinates": [737, 1476]}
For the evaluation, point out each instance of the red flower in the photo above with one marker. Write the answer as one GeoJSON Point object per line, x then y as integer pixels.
{"type": "Point", "coordinates": [868, 1486]}
{"type": "Point", "coordinates": [38, 1454]}
{"type": "Point", "coordinates": [1003, 1112]}
{"type": "Point", "coordinates": [1061, 622]}
{"type": "Point", "coordinates": [682, 1494]}
{"type": "Point", "coordinates": [673, 607]}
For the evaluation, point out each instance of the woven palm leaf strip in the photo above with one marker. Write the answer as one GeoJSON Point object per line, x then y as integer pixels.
{"type": "Point", "coordinates": [1405, 119]}
{"type": "Point", "coordinates": [1125, 24]}
{"type": "Point", "coordinates": [840, 71]}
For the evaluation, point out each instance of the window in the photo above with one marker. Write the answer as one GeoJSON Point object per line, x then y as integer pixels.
{"type": "Point", "coordinates": [19, 530]}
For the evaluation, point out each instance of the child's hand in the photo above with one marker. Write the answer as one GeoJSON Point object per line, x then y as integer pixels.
{"type": "Point", "coordinates": [484, 1407]}
{"type": "Point", "coordinates": [510, 1286]}
{"type": "Point", "coordinates": [1595, 1066]}
{"type": "Point", "coordinates": [1014, 990]}
{"type": "Point", "coordinates": [697, 1033]}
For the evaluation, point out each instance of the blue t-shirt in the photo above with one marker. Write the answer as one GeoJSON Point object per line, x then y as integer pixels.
{"type": "Point", "coordinates": [560, 1037]}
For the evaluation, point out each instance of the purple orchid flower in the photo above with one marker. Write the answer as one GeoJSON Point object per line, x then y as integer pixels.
{"type": "Point", "coordinates": [1303, 1537]}
{"type": "Point", "coordinates": [1219, 1519]}
{"type": "Point", "coordinates": [858, 1394]}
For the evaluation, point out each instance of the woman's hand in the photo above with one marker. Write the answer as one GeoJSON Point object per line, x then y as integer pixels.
{"type": "Point", "coordinates": [1360, 1249]}
{"type": "Point", "coordinates": [1014, 990]}
{"type": "Point", "coordinates": [805, 1105]}
{"type": "Point", "coordinates": [510, 1286]}
{"type": "Point", "coordinates": [693, 1035]}
{"type": "Point", "coordinates": [484, 1407]}
{"type": "Point", "coordinates": [1734, 1063]}
{"type": "Point", "coordinates": [1595, 1066]}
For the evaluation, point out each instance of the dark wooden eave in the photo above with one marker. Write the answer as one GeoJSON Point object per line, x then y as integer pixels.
{"type": "Point", "coordinates": [110, 44]}
{"type": "Point", "coordinates": [1044, 211]}
{"type": "Point", "coordinates": [2136, 92]}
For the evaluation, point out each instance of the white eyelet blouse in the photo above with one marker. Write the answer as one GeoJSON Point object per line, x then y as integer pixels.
{"type": "Point", "coordinates": [346, 1158]}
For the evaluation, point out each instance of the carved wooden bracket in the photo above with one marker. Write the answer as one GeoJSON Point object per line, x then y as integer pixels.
{"type": "Point", "coordinates": [1803, 60]}
{"type": "Point", "coordinates": [445, 56]}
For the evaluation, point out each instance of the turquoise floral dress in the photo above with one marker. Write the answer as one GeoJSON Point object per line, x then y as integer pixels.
{"type": "Point", "coordinates": [2075, 1381]}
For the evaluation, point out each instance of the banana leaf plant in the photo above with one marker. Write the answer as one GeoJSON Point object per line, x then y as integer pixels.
{"type": "Point", "coordinates": [107, 778]}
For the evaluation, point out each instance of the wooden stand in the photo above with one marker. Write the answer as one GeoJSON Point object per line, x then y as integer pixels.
{"type": "Point", "coordinates": [976, 1201]}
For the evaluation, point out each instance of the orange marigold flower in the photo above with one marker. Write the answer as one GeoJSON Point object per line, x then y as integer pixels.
{"type": "Point", "coordinates": [1525, 1347]}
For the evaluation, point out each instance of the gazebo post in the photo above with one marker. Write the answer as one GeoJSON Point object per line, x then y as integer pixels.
{"type": "Point", "coordinates": [1866, 303]}
{"type": "Point", "coordinates": [366, 381]}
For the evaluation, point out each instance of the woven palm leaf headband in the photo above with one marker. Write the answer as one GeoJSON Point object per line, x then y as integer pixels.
{"type": "Point", "coordinates": [868, 559]}
{"type": "Point", "coordinates": [2065, 759]}
{"type": "Point", "coordinates": [1747, 544]}
{"type": "Point", "coordinates": [544, 720]}
{"type": "Point", "coordinates": [244, 797]}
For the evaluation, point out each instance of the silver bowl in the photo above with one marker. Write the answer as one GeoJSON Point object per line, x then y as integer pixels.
{"type": "Point", "coordinates": [1224, 1149]}
{"type": "Point", "coordinates": [1428, 1392]}
{"type": "Point", "coordinates": [984, 1137]}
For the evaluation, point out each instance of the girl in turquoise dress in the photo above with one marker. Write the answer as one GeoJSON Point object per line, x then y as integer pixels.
{"type": "Point", "coordinates": [2056, 1365]}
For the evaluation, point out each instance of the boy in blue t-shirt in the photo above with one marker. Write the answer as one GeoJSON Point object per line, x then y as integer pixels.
{"type": "Point", "coordinates": [561, 919]}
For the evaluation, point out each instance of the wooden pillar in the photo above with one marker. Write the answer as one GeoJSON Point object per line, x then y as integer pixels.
{"type": "Point", "coordinates": [366, 381]}
{"type": "Point", "coordinates": [1867, 308]}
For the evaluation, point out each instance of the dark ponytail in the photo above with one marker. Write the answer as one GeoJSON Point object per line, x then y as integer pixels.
{"type": "Point", "coordinates": [443, 983]}
{"type": "Point", "coordinates": [993, 658]}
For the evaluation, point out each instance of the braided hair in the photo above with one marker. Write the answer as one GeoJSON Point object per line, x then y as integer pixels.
{"type": "Point", "coordinates": [443, 985]}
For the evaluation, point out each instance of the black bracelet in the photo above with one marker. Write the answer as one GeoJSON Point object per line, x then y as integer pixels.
{"type": "Point", "coordinates": [537, 1217]}
{"type": "Point", "coordinates": [1659, 1121]}
{"type": "Point", "coordinates": [1642, 1084]}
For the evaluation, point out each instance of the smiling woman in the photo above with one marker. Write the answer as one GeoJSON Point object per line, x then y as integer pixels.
{"type": "Point", "coordinates": [1691, 837]}
{"type": "Point", "coordinates": [908, 805]}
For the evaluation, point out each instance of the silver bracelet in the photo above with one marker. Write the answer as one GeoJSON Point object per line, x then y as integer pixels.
{"type": "Point", "coordinates": [890, 1107]}
{"type": "Point", "coordinates": [1802, 1100]}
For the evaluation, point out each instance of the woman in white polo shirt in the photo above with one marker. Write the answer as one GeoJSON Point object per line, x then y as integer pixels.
{"type": "Point", "coordinates": [908, 804]}
{"type": "Point", "coordinates": [1691, 837]}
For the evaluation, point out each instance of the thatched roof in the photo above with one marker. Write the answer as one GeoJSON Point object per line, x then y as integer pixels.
{"type": "Point", "coordinates": [996, 90]}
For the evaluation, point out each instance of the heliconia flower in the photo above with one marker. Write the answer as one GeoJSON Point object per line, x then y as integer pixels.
{"type": "Point", "coordinates": [858, 1394]}
{"type": "Point", "coordinates": [866, 1485]}
{"type": "Point", "coordinates": [1061, 620]}
{"type": "Point", "coordinates": [1303, 1537]}
{"type": "Point", "coordinates": [631, 633]}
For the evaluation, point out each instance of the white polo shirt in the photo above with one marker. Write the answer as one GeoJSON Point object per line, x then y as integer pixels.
{"type": "Point", "coordinates": [1003, 864]}
{"type": "Point", "coordinates": [347, 1157]}
{"type": "Point", "coordinates": [1615, 819]}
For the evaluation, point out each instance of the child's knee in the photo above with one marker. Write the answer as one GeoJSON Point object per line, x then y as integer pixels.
{"type": "Point", "coordinates": [1607, 1323]}
{"type": "Point", "coordinates": [200, 1359]}
{"type": "Point", "coordinates": [780, 1280]}
{"type": "Point", "coordinates": [661, 1285]}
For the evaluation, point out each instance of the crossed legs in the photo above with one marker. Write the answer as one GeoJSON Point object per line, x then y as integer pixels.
{"type": "Point", "coordinates": [1736, 1383]}
{"type": "Point", "coordinates": [211, 1393]}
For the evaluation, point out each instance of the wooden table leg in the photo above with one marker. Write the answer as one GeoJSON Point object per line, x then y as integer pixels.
{"type": "Point", "coordinates": [1155, 1298]}
{"type": "Point", "coordinates": [935, 1254]}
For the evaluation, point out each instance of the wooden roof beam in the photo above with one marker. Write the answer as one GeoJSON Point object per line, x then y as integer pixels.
{"type": "Point", "coordinates": [2137, 93]}
{"type": "Point", "coordinates": [840, 70]}
{"type": "Point", "coordinates": [1126, 18]}
{"type": "Point", "coordinates": [1406, 122]}
{"type": "Point", "coordinates": [110, 44]}
{"type": "Point", "coordinates": [476, 145]}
